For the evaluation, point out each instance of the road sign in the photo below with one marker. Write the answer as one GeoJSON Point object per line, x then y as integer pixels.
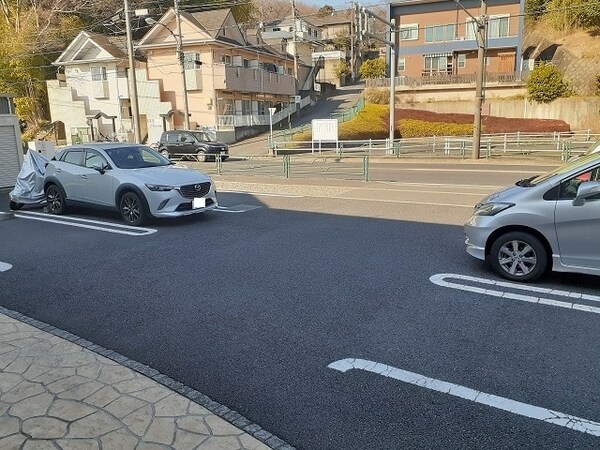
{"type": "Point", "coordinates": [325, 130]}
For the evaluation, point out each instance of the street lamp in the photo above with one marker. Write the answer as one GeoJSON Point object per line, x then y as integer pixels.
{"type": "Point", "coordinates": [271, 112]}
{"type": "Point", "coordinates": [180, 57]}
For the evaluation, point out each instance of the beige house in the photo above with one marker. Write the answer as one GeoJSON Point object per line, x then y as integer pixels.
{"type": "Point", "coordinates": [89, 100]}
{"type": "Point", "coordinates": [231, 82]}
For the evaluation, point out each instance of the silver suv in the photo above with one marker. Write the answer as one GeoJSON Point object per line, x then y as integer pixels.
{"type": "Point", "coordinates": [544, 222]}
{"type": "Point", "coordinates": [132, 178]}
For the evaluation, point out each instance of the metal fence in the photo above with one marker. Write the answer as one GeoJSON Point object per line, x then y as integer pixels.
{"type": "Point", "coordinates": [562, 145]}
{"type": "Point", "coordinates": [347, 167]}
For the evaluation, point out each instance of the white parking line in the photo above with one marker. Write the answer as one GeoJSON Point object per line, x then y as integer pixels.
{"type": "Point", "coordinates": [108, 227]}
{"type": "Point", "coordinates": [236, 209]}
{"type": "Point", "coordinates": [456, 390]}
{"type": "Point", "coordinates": [5, 266]}
{"type": "Point", "coordinates": [440, 280]}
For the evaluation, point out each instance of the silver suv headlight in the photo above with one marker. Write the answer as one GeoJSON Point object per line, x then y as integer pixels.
{"type": "Point", "coordinates": [491, 209]}
{"type": "Point", "coordinates": [159, 187]}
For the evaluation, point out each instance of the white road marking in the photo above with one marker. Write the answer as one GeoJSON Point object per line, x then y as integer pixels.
{"type": "Point", "coordinates": [440, 280]}
{"type": "Point", "coordinates": [108, 227]}
{"type": "Point", "coordinates": [456, 390]}
{"type": "Point", "coordinates": [236, 209]}
{"type": "Point", "coordinates": [262, 194]}
{"type": "Point", "coordinates": [5, 266]}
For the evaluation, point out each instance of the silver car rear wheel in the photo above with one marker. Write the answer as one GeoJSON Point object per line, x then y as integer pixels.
{"type": "Point", "coordinates": [55, 200]}
{"type": "Point", "coordinates": [519, 256]}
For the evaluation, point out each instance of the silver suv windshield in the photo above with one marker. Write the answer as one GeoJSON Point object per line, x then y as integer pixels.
{"type": "Point", "coordinates": [136, 157]}
{"type": "Point", "coordinates": [565, 168]}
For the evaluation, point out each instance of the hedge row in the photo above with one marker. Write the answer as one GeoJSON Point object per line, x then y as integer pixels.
{"type": "Point", "coordinates": [372, 123]}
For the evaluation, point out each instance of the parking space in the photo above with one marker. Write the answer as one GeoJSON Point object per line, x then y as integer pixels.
{"type": "Point", "coordinates": [331, 322]}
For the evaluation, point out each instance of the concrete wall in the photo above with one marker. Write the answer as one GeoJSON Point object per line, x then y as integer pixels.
{"type": "Point", "coordinates": [455, 94]}
{"type": "Point", "coordinates": [581, 113]}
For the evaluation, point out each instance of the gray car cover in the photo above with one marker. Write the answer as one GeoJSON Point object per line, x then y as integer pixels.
{"type": "Point", "coordinates": [29, 188]}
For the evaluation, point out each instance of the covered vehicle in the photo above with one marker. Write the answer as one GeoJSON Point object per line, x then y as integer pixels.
{"type": "Point", "coordinates": [29, 188]}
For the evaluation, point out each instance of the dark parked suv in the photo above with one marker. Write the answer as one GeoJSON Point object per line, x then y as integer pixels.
{"type": "Point", "coordinates": [198, 143]}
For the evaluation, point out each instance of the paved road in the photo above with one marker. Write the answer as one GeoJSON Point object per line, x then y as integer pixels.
{"type": "Point", "coordinates": [252, 307]}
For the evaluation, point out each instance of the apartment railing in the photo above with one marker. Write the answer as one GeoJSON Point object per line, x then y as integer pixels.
{"type": "Point", "coordinates": [249, 120]}
{"type": "Point", "coordinates": [445, 79]}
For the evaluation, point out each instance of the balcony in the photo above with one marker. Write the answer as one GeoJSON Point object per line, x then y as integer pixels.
{"type": "Point", "coordinates": [252, 80]}
{"type": "Point", "coordinates": [430, 79]}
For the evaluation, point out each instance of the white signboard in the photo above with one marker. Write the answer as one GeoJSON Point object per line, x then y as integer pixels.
{"type": "Point", "coordinates": [325, 130]}
{"type": "Point", "coordinates": [297, 98]}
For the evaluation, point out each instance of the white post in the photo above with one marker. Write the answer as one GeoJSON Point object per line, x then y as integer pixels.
{"type": "Point", "coordinates": [137, 135]}
{"type": "Point", "coordinates": [271, 112]}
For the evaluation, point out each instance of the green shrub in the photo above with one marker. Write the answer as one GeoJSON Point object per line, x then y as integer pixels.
{"type": "Point", "coordinates": [545, 84]}
{"type": "Point", "coordinates": [342, 69]}
{"type": "Point", "coordinates": [373, 68]}
{"type": "Point", "coordinates": [378, 96]}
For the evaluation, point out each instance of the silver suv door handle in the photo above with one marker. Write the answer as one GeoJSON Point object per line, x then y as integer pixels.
{"type": "Point", "coordinates": [84, 177]}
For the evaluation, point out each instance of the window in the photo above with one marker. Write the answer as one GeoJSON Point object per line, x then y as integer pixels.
{"type": "Point", "coordinates": [409, 32]}
{"type": "Point", "coordinates": [6, 105]}
{"type": "Point", "coordinates": [498, 26]}
{"type": "Point", "coordinates": [440, 33]}
{"type": "Point", "coordinates": [226, 59]}
{"type": "Point", "coordinates": [462, 60]}
{"type": "Point", "coordinates": [568, 188]}
{"type": "Point", "coordinates": [73, 157]}
{"type": "Point", "coordinates": [246, 108]}
{"type": "Point", "coordinates": [93, 158]}
{"type": "Point", "coordinates": [471, 30]}
{"type": "Point", "coordinates": [436, 64]}
{"type": "Point", "coordinates": [191, 61]}
{"type": "Point", "coordinates": [401, 64]}
{"type": "Point", "coordinates": [246, 62]}
{"type": "Point", "coordinates": [172, 137]}
{"type": "Point", "coordinates": [98, 73]}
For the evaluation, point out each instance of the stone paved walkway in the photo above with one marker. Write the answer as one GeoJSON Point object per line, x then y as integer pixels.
{"type": "Point", "coordinates": [55, 394]}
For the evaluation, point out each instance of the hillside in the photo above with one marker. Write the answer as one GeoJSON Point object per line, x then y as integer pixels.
{"type": "Point", "coordinates": [576, 55]}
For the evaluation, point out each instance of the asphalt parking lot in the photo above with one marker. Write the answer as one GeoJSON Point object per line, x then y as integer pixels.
{"type": "Point", "coordinates": [331, 322]}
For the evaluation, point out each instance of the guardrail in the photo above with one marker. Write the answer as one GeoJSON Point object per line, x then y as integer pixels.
{"type": "Point", "coordinates": [348, 167]}
{"type": "Point", "coordinates": [563, 145]}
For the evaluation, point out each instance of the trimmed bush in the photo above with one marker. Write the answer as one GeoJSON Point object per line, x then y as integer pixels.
{"type": "Point", "coordinates": [546, 83]}
{"type": "Point", "coordinates": [410, 128]}
{"type": "Point", "coordinates": [373, 68]}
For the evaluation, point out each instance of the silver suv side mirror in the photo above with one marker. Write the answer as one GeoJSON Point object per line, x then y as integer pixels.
{"type": "Point", "coordinates": [586, 190]}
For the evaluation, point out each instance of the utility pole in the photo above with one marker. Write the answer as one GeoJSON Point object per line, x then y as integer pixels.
{"type": "Point", "coordinates": [479, 92]}
{"type": "Point", "coordinates": [391, 43]}
{"type": "Point", "coordinates": [352, 26]}
{"type": "Point", "coordinates": [294, 31]}
{"type": "Point", "coordinates": [133, 96]}
{"type": "Point", "coordinates": [181, 57]}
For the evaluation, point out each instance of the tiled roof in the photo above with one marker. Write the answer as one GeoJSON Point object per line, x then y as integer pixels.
{"type": "Point", "coordinates": [343, 16]}
{"type": "Point", "coordinates": [115, 45]}
{"type": "Point", "coordinates": [209, 21]}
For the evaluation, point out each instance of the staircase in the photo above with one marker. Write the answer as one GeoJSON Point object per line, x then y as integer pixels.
{"type": "Point", "coordinates": [312, 75]}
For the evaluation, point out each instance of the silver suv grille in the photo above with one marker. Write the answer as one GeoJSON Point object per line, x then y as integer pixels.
{"type": "Point", "coordinates": [195, 190]}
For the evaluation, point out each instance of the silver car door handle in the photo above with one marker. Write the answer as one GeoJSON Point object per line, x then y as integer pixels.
{"type": "Point", "coordinates": [84, 177]}
{"type": "Point", "coordinates": [58, 170]}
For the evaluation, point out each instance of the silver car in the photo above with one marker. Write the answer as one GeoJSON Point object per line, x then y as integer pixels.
{"type": "Point", "coordinates": [132, 178]}
{"type": "Point", "coordinates": [547, 222]}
